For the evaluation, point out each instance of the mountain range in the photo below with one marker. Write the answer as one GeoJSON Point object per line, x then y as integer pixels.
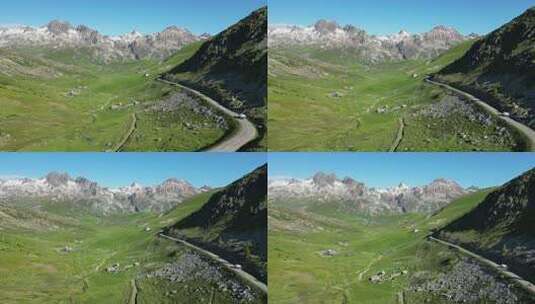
{"type": "Point", "coordinates": [131, 46]}
{"type": "Point", "coordinates": [329, 35]}
{"type": "Point", "coordinates": [355, 196]}
{"type": "Point", "coordinates": [82, 193]}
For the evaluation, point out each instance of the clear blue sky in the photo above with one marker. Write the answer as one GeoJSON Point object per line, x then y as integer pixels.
{"type": "Point", "coordinates": [112, 17]}
{"type": "Point", "coordinates": [121, 169]}
{"type": "Point", "coordinates": [386, 169]}
{"type": "Point", "coordinates": [390, 16]}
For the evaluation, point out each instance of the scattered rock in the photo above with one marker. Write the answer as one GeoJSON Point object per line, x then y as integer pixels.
{"type": "Point", "coordinates": [336, 95]}
{"type": "Point", "coordinates": [66, 249]}
{"type": "Point", "coordinates": [329, 252]}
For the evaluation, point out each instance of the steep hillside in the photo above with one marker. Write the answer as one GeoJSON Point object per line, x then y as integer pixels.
{"type": "Point", "coordinates": [233, 222]}
{"type": "Point", "coordinates": [232, 65]}
{"type": "Point", "coordinates": [500, 68]}
{"type": "Point", "coordinates": [502, 227]}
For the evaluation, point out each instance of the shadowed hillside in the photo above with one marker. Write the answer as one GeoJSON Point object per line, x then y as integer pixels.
{"type": "Point", "coordinates": [233, 223]}
{"type": "Point", "coordinates": [232, 65]}
{"type": "Point", "coordinates": [502, 227]}
{"type": "Point", "coordinates": [500, 68]}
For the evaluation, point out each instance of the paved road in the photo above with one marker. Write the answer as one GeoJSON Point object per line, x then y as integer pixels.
{"type": "Point", "coordinates": [522, 128]}
{"type": "Point", "coordinates": [245, 133]}
{"type": "Point", "coordinates": [240, 273]}
{"type": "Point", "coordinates": [526, 285]}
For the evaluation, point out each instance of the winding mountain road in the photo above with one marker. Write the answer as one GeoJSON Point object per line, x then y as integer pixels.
{"type": "Point", "coordinates": [240, 273]}
{"type": "Point", "coordinates": [245, 133]}
{"type": "Point", "coordinates": [526, 285]}
{"type": "Point", "coordinates": [522, 128]}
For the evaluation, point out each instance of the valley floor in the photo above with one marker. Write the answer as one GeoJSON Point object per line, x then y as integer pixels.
{"type": "Point", "coordinates": [355, 107]}
{"type": "Point", "coordinates": [56, 257]}
{"type": "Point", "coordinates": [324, 255]}
{"type": "Point", "coordinates": [67, 101]}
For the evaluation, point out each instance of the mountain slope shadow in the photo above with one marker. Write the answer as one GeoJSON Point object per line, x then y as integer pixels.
{"type": "Point", "coordinates": [502, 227]}
{"type": "Point", "coordinates": [499, 68]}
{"type": "Point", "coordinates": [232, 223]}
{"type": "Point", "coordinates": [232, 63]}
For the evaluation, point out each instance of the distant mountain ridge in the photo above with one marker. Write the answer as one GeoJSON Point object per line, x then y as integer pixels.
{"type": "Point", "coordinates": [329, 35]}
{"type": "Point", "coordinates": [60, 187]}
{"type": "Point", "coordinates": [357, 197]}
{"type": "Point", "coordinates": [131, 46]}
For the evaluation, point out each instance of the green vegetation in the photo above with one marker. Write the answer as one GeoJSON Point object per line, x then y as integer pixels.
{"type": "Point", "coordinates": [37, 267]}
{"type": "Point", "coordinates": [299, 271]}
{"type": "Point", "coordinates": [231, 68]}
{"type": "Point", "coordinates": [62, 100]}
{"type": "Point", "coordinates": [349, 106]}
{"type": "Point", "coordinates": [233, 224]}
{"type": "Point", "coordinates": [499, 68]}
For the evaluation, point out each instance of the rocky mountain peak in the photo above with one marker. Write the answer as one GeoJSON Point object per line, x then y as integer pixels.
{"type": "Point", "coordinates": [205, 36]}
{"type": "Point", "coordinates": [351, 29]}
{"type": "Point", "coordinates": [326, 27]}
{"type": "Point", "coordinates": [205, 188]}
{"type": "Point", "coordinates": [444, 33]}
{"type": "Point", "coordinates": [174, 28]}
{"type": "Point", "coordinates": [321, 179]}
{"type": "Point", "coordinates": [356, 196]}
{"type": "Point", "coordinates": [58, 27]}
{"type": "Point", "coordinates": [61, 34]}
{"type": "Point", "coordinates": [57, 186]}
{"type": "Point", "coordinates": [57, 179]}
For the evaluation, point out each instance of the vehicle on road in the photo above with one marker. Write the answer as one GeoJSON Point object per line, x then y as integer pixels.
{"type": "Point", "coordinates": [241, 116]}
{"type": "Point", "coordinates": [237, 266]}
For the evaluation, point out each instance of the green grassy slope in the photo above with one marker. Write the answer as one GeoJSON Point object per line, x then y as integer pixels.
{"type": "Point", "coordinates": [36, 270]}
{"type": "Point", "coordinates": [231, 68]}
{"type": "Point", "coordinates": [233, 223]}
{"type": "Point", "coordinates": [502, 226]}
{"type": "Point", "coordinates": [339, 101]}
{"type": "Point", "coordinates": [299, 273]}
{"type": "Point", "coordinates": [499, 68]}
{"type": "Point", "coordinates": [62, 101]}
